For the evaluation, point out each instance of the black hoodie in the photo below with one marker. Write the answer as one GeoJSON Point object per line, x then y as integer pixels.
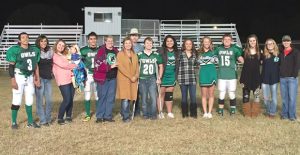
{"type": "Point", "coordinates": [290, 64]}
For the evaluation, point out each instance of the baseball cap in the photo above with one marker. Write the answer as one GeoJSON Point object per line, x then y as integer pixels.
{"type": "Point", "coordinates": [286, 38]}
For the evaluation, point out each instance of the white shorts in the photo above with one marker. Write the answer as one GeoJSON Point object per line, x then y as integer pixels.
{"type": "Point", "coordinates": [227, 85]}
{"type": "Point", "coordinates": [90, 85]}
{"type": "Point", "coordinates": [24, 85]}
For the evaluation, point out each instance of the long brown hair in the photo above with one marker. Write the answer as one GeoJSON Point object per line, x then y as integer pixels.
{"type": "Point", "coordinates": [39, 39]}
{"type": "Point", "coordinates": [194, 51]}
{"type": "Point", "coordinates": [247, 48]}
{"type": "Point", "coordinates": [124, 40]}
{"type": "Point", "coordinates": [267, 52]}
{"type": "Point", "coordinates": [65, 51]}
{"type": "Point", "coordinates": [201, 49]}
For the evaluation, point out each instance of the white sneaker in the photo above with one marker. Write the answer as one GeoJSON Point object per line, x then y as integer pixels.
{"type": "Point", "coordinates": [161, 115]}
{"type": "Point", "coordinates": [205, 115]}
{"type": "Point", "coordinates": [171, 115]}
{"type": "Point", "coordinates": [209, 115]}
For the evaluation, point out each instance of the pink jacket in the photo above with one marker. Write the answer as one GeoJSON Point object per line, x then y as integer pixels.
{"type": "Point", "coordinates": [62, 69]}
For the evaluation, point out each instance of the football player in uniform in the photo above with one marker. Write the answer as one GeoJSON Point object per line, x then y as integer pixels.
{"type": "Point", "coordinates": [228, 54]}
{"type": "Point", "coordinates": [23, 70]}
{"type": "Point", "coordinates": [88, 54]}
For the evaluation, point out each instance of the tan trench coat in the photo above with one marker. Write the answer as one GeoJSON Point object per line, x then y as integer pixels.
{"type": "Point", "coordinates": [126, 70]}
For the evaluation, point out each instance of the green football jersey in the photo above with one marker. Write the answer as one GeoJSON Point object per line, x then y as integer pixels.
{"type": "Point", "coordinates": [88, 54]}
{"type": "Point", "coordinates": [228, 61]}
{"type": "Point", "coordinates": [25, 59]}
{"type": "Point", "coordinates": [168, 78]}
{"type": "Point", "coordinates": [148, 64]}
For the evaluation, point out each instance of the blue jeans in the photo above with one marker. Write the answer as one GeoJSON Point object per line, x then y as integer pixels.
{"type": "Point", "coordinates": [67, 91]}
{"type": "Point", "coordinates": [137, 110]}
{"type": "Point", "coordinates": [106, 98]}
{"type": "Point", "coordinates": [125, 108]}
{"type": "Point", "coordinates": [148, 87]}
{"type": "Point", "coordinates": [270, 98]}
{"type": "Point", "coordinates": [288, 90]}
{"type": "Point", "coordinates": [184, 93]}
{"type": "Point", "coordinates": [45, 91]}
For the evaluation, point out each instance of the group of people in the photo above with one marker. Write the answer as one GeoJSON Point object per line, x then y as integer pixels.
{"type": "Point", "coordinates": [140, 72]}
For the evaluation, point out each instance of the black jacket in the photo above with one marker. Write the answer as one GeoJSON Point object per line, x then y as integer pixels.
{"type": "Point", "coordinates": [289, 65]}
{"type": "Point", "coordinates": [250, 75]}
{"type": "Point", "coordinates": [270, 70]}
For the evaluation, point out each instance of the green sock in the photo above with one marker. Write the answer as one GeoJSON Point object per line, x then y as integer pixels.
{"type": "Point", "coordinates": [220, 110]}
{"type": "Point", "coordinates": [14, 114]}
{"type": "Point", "coordinates": [87, 105]}
{"type": "Point", "coordinates": [232, 109]}
{"type": "Point", "coordinates": [29, 114]}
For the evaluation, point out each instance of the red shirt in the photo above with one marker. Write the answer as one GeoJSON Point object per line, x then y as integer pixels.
{"type": "Point", "coordinates": [287, 51]}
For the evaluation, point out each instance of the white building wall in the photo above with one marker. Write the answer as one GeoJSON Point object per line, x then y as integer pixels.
{"type": "Point", "coordinates": [103, 28]}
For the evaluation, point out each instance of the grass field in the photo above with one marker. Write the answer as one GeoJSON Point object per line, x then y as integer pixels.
{"type": "Point", "coordinates": [219, 135]}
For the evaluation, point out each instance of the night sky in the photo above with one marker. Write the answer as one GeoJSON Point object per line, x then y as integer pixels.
{"type": "Point", "coordinates": [266, 18]}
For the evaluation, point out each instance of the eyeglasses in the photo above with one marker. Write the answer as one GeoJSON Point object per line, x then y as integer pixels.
{"type": "Point", "coordinates": [270, 44]}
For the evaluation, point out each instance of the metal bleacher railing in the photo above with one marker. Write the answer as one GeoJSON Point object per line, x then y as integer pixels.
{"type": "Point", "coordinates": [194, 30]}
{"type": "Point", "coordinates": [9, 36]}
{"type": "Point", "coordinates": [157, 29]}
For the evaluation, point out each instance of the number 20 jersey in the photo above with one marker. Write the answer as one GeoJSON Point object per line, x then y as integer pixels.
{"type": "Point", "coordinates": [148, 64]}
{"type": "Point", "coordinates": [228, 61]}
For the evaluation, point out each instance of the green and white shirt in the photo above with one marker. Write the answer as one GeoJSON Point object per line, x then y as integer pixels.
{"type": "Point", "coordinates": [149, 64]}
{"type": "Point", "coordinates": [88, 54]}
{"type": "Point", "coordinates": [228, 61]}
{"type": "Point", "coordinates": [25, 60]}
{"type": "Point", "coordinates": [169, 78]}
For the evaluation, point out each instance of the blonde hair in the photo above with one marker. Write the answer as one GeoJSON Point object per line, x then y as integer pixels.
{"type": "Point", "coordinates": [65, 50]}
{"type": "Point", "coordinates": [201, 49]}
{"type": "Point", "coordinates": [266, 50]}
{"type": "Point", "coordinates": [76, 48]}
{"type": "Point", "coordinates": [108, 36]}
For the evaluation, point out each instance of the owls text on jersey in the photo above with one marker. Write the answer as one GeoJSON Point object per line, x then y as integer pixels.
{"type": "Point", "coordinates": [227, 61]}
{"type": "Point", "coordinates": [25, 59]}
{"type": "Point", "coordinates": [148, 64]}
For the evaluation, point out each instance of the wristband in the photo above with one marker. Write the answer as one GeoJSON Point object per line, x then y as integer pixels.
{"type": "Point", "coordinates": [11, 70]}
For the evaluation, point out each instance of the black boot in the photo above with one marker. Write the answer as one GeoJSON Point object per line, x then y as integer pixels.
{"type": "Point", "coordinates": [184, 110]}
{"type": "Point", "coordinates": [193, 109]}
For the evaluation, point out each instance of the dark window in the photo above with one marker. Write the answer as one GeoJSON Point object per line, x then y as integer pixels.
{"type": "Point", "coordinates": [103, 17]}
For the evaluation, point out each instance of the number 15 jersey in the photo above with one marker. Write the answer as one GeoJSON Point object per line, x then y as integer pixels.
{"type": "Point", "coordinates": [228, 61]}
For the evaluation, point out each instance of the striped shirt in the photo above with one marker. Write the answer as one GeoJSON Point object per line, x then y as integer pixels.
{"type": "Point", "coordinates": [186, 70]}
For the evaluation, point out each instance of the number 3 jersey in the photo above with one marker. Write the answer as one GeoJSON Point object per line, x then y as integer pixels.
{"type": "Point", "coordinates": [88, 54]}
{"type": "Point", "coordinates": [25, 59]}
{"type": "Point", "coordinates": [149, 64]}
{"type": "Point", "coordinates": [227, 61]}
